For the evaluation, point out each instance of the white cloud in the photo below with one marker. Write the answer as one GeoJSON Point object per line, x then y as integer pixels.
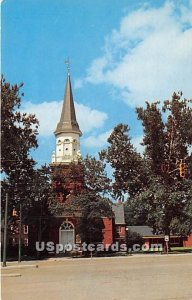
{"type": "Point", "coordinates": [100, 140]}
{"type": "Point", "coordinates": [48, 114]}
{"type": "Point", "coordinates": [149, 56]}
{"type": "Point", "coordinates": [78, 83]}
{"type": "Point", "coordinates": [96, 141]}
{"type": "Point", "coordinates": [89, 118]}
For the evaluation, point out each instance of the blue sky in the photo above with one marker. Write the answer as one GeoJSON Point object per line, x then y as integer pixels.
{"type": "Point", "coordinates": [122, 53]}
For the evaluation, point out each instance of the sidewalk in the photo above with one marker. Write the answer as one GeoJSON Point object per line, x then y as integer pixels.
{"type": "Point", "coordinates": [14, 265]}
{"type": "Point", "coordinates": [36, 263]}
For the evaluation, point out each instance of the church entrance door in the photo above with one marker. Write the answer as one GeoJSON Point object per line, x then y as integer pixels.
{"type": "Point", "coordinates": [67, 234]}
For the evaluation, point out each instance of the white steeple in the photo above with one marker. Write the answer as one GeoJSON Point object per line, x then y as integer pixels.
{"type": "Point", "coordinates": [67, 132]}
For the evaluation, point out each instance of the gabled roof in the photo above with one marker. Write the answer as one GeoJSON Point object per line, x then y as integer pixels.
{"type": "Point", "coordinates": [119, 213]}
{"type": "Point", "coordinates": [146, 231]}
{"type": "Point", "coordinates": [68, 122]}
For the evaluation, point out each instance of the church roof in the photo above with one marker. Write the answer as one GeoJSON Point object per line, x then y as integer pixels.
{"type": "Point", "coordinates": [68, 122]}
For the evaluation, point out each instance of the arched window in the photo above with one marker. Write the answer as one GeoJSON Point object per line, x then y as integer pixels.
{"type": "Point", "coordinates": [67, 226]}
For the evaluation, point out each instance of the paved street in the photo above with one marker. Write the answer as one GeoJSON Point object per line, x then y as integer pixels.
{"type": "Point", "coordinates": [158, 277]}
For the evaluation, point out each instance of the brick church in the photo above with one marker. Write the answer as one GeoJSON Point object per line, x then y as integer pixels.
{"type": "Point", "coordinates": [63, 229]}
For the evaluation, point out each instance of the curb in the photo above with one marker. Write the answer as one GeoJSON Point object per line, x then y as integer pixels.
{"type": "Point", "coordinates": [11, 275]}
{"type": "Point", "coordinates": [19, 267]}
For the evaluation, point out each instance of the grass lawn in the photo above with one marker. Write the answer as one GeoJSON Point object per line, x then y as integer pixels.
{"type": "Point", "coordinates": [182, 249]}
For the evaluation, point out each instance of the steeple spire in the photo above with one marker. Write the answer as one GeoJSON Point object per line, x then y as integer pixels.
{"type": "Point", "coordinates": [68, 122]}
{"type": "Point", "coordinates": [67, 132]}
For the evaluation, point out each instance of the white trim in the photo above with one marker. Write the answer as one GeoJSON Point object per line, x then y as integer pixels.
{"type": "Point", "coordinates": [73, 230]}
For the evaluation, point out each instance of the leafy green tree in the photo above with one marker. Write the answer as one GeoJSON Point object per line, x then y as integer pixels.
{"type": "Point", "coordinates": [91, 208]}
{"type": "Point", "coordinates": [133, 238]}
{"type": "Point", "coordinates": [167, 140]}
{"type": "Point", "coordinates": [156, 192]}
{"type": "Point", "coordinates": [79, 190]}
{"type": "Point", "coordinates": [88, 175]}
{"type": "Point", "coordinates": [41, 193]}
{"type": "Point", "coordinates": [131, 217]}
{"type": "Point", "coordinates": [154, 137]}
{"type": "Point", "coordinates": [65, 181]}
{"type": "Point", "coordinates": [95, 176]}
{"type": "Point", "coordinates": [19, 137]}
{"type": "Point", "coordinates": [130, 169]}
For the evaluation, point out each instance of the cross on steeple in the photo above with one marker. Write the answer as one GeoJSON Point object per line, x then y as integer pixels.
{"type": "Point", "coordinates": [67, 62]}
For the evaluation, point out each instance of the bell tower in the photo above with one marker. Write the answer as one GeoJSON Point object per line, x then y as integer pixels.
{"type": "Point", "coordinates": [67, 132]}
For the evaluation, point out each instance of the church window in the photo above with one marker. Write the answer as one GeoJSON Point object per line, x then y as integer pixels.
{"type": "Point", "coordinates": [66, 226]}
{"type": "Point", "coordinates": [67, 141]}
{"type": "Point", "coordinates": [66, 149]}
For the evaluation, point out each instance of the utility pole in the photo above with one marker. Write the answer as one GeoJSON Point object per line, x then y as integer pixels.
{"type": "Point", "coordinates": [40, 229]}
{"type": "Point", "coordinates": [20, 229]}
{"type": "Point", "coordinates": [5, 232]}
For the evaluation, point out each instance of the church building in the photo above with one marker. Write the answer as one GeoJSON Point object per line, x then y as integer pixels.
{"type": "Point", "coordinates": [63, 229]}
{"type": "Point", "coordinates": [67, 150]}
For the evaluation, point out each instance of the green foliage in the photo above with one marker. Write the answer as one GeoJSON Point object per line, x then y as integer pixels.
{"type": "Point", "coordinates": [88, 175]}
{"type": "Point", "coordinates": [95, 176]}
{"type": "Point", "coordinates": [133, 238]}
{"type": "Point", "coordinates": [91, 208]}
{"type": "Point", "coordinates": [130, 170]}
{"type": "Point", "coordinates": [153, 128]}
{"type": "Point", "coordinates": [131, 218]}
{"type": "Point", "coordinates": [18, 130]}
{"type": "Point", "coordinates": [41, 192]}
{"type": "Point", "coordinates": [78, 189]}
{"type": "Point", "coordinates": [158, 196]}
{"type": "Point", "coordinates": [19, 136]}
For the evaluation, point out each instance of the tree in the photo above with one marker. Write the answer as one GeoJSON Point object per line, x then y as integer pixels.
{"type": "Point", "coordinates": [88, 175]}
{"type": "Point", "coordinates": [131, 217]}
{"type": "Point", "coordinates": [19, 136]}
{"type": "Point", "coordinates": [41, 193]}
{"type": "Point", "coordinates": [166, 144]}
{"type": "Point", "coordinates": [157, 193]}
{"type": "Point", "coordinates": [91, 208]}
{"type": "Point", "coordinates": [95, 176]}
{"type": "Point", "coordinates": [79, 190]}
{"type": "Point", "coordinates": [130, 169]}
{"type": "Point", "coordinates": [66, 181]}
{"type": "Point", "coordinates": [133, 238]}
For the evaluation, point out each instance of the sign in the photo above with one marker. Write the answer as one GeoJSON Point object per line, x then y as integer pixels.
{"type": "Point", "coordinates": [166, 238]}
